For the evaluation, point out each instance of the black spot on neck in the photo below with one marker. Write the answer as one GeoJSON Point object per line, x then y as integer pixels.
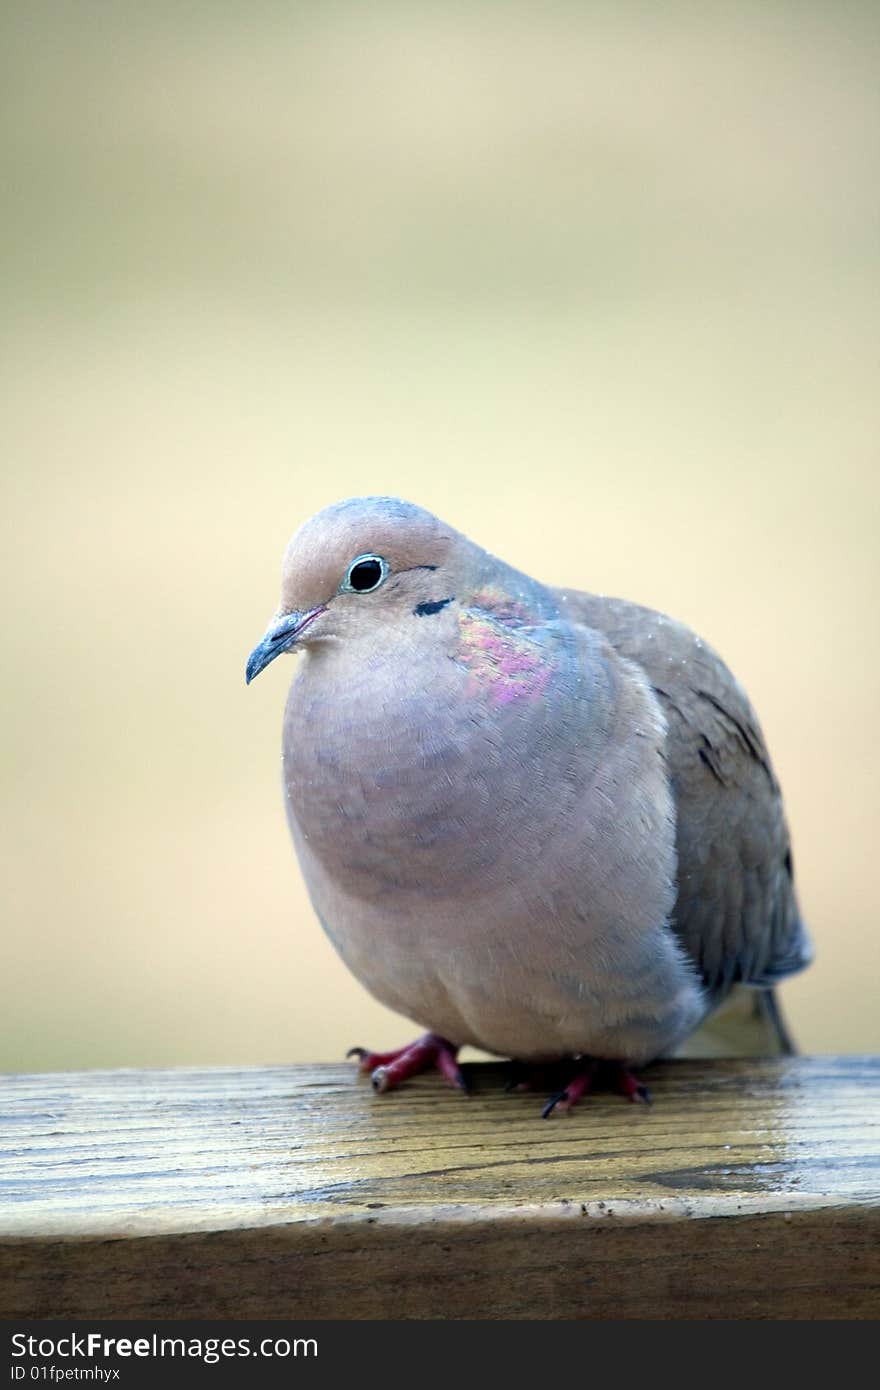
{"type": "Point", "coordinates": [423, 610]}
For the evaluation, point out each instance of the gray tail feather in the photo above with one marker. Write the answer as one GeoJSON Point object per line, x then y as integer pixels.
{"type": "Point", "coordinates": [749, 1023]}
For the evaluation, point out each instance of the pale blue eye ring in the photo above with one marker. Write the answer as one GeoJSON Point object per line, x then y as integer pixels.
{"type": "Point", "coordinates": [364, 574]}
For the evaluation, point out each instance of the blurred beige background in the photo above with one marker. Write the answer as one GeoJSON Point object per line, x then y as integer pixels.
{"type": "Point", "coordinates": [597, 283]}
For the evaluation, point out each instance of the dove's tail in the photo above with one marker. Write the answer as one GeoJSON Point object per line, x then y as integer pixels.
{"type": "Point", "coordinates": [748, 1024]}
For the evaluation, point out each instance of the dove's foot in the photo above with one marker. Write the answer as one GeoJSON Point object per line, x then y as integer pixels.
{"type": "Point", "coordinates": [390, 1069]}
{"type": "Point", "coordinates": [620, 1078]}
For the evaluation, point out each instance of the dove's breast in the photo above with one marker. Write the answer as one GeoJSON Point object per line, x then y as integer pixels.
{"type": "Point", "coordinates": [488, 838]}
{"type": "Point", "coordinates": [418, 771]}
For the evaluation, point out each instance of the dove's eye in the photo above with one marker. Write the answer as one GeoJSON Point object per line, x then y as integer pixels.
{"type": "Point", "coordinates": [365, 574]}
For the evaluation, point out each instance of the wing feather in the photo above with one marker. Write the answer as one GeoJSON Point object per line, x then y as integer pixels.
{"type": "Point", "coordinates": [736, 912]}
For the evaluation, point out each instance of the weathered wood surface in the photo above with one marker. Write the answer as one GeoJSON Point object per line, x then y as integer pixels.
{"type": "Point", "coordinates": [749, 1189]}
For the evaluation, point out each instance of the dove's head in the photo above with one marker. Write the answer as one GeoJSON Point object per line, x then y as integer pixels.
{"type": "Point", "coordinates": [359, 566]}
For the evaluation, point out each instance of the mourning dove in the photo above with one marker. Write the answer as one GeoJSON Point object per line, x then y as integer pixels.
{"type": "Point", "coordinates": [534, 820]}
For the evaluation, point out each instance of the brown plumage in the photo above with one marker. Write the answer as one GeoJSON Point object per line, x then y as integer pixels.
{"type": "Point", "coordinates": [736, 912]}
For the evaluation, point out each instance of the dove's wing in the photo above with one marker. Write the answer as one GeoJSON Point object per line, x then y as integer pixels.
{"type": "Point", "coordinates": [736, 912]}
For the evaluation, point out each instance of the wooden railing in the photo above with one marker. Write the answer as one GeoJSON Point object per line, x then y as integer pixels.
{"type": "Point", "coordinates": [747, 1190]}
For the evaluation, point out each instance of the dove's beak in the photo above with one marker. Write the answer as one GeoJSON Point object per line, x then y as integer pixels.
{"type": "Point", "coordinates": [279, 637]}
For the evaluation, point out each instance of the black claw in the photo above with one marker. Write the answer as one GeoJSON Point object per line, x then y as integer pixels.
{"type": "Point", "coordinates": [359, 1052]}
{"type": "Point", "coordinates": [553, 1102]}
{"type": "Point", "coordinates": [644, 1094]}
{"type": "Point", "coordinates": [462, 1082]}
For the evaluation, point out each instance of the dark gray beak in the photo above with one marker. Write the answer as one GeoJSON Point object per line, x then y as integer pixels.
{"type": "Point", "coordinates": [279, 637]}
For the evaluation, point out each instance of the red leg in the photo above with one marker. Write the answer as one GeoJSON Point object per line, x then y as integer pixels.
{"type": "Point", "coordinates": [629, 1085]}
{"type": "Point", "coordinates": [390, 1069]}
{"type": "Point", "coordinates": [581, 1083]}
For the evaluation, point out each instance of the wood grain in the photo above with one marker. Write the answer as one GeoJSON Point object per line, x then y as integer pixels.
{"type": "Point", "coordinates": [749, 1189]}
